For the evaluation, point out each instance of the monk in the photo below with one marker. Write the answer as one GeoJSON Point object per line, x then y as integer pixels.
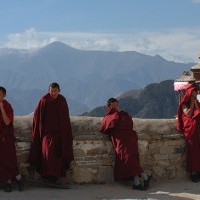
{"type": "Point", "coordinates": [119, 126]}
{"type": "Point", "coordinates": [8, 159]}
{"type": "Point", "coordinates": [189, 125]}
{"type": "Point", "coordinates": [51, 147]}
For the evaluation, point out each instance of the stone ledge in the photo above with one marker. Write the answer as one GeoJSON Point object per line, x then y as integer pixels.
{"type": "Point", "coordinates": [162, 148]}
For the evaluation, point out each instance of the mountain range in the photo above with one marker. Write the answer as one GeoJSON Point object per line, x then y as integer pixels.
{"type": "Point", "coordinates": [155, 101]}
{"type": "Point", "coordinates": [87, 78]}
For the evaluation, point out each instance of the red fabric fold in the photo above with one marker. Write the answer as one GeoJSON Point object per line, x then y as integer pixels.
{"type": "Point", "coordinates": [51, 148]}
{"type": "Point", "coordinates": [190, 127]}
{"type": "Point", "coordinates": [8, 158]}
{"type": "Point", "coordinates": [119, 126]}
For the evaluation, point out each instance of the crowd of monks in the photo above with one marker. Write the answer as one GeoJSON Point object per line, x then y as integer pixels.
{"type": "Point", "coordinates": [51, 149]}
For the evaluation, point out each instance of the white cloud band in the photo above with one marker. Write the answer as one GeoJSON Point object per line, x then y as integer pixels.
{"type": "Point", "coordinates": [177, 45]}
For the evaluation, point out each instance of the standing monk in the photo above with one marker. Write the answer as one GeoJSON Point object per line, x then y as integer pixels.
{"type": "Point", "coordinates": [51, 147]}
{"type": "Point", "coordinates": [189, 125]}
{"type": "Point", "coordinates": [119, 126]}
{"type": "Point", "coordinates": [8, 157]}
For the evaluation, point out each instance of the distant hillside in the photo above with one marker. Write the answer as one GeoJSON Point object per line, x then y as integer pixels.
{"type": "Point", "coordinates": [130, 93]}
{"type": "Point", "coordinates": [157, 100]}
{"type": "Point", "coordinates": [87, 78]}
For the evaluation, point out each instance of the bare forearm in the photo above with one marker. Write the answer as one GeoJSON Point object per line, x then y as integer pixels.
{"type": "Point", "coordinates": [190, 111]}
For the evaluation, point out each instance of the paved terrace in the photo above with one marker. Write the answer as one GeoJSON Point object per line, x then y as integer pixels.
{"type": "Point", "coordinates": [178, 189]}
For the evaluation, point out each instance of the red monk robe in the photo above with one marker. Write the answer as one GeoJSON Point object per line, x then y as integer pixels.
{"type": "Point", "coordinates": [51, 148]}
{"type": "Point", "coordinates": [8, 158]}
{"type": "Point", "coordinates": [190, 127]}
{"type": "Point", "coordinates": [119, 126]}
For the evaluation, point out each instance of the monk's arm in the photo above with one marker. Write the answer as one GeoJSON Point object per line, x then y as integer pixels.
{"type": "Point", "coordinates": [189, 111]}
{"type": "Point", "coordinates": [4, 115]}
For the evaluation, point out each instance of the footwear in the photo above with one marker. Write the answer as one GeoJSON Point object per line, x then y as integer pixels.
{"type": "Point", "coordinates": [21, 183]}
{"type": "Point", "coordinates": [8, 187]}
{"type": "Point", "coordinates": [139, 187]}
{"type": "Point", "coordinates": [146, 182]}
{"type": "Point", "coordinates": [195, 178]}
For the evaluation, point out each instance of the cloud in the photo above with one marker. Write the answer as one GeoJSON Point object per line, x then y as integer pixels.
{"type": "Point", "coordinates": [180, 45]}
{"type": "Point", "coordinates": [196, 1]}
{"type": "Point", "coordinates": [30, 39]}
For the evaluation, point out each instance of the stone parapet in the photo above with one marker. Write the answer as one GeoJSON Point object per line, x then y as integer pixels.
{"type": "Point", "coordinates": [162, 149]}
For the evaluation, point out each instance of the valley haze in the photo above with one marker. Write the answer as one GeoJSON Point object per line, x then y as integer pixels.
{"type": "Point", "coordinates": [87, 77]}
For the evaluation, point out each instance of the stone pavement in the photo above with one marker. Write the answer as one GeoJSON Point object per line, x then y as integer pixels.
{"type": "Point", "coordinates": [180, 189]}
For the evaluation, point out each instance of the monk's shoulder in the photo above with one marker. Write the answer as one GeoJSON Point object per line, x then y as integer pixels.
{"type": "Point", "coordinates": [61, 97]}
{"type": "Point", "coordinates": [7, 105]}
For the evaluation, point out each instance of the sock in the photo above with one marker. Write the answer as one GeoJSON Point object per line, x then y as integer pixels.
{"type": "Point", "coordinates": [18, 177]}
{"type": "Point", "coordinates": [136, 180]}
{"type": "Point", "coordinates": [144, 175]}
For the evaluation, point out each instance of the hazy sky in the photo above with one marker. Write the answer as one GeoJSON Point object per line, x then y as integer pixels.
{"type": "Point", "coordinates": [169, 28]}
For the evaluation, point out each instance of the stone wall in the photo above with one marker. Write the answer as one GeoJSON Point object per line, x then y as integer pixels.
{"type": "Point", "coordinates": [162, 149]}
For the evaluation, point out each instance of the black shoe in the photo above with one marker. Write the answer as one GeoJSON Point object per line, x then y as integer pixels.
{"type": "Point", "coordinates": [21, 183]}
{"type": "Point", "coordinates": [195, 178]}
{"type": "Point", "coordinates": [8, 187]}
{"type": "Point", "coordinates": [139, 187]}
{"type": "Point", "coordinates": [146, 182]}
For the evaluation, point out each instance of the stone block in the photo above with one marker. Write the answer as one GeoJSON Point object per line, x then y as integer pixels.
{"type": "Point", "coordinates": [172, 174]}
{"type": "Point", "coordinates": [180, 150]}
{"type": "Point", "coordinates": [105, 174]}
{"type": "Point", "coordinates": [159, 171]}
{"type": "Point", "coordinates": [161, 157]}
{"type": "Point", "coordinates": [143, 145]}
{"type": "Point", "coordinates": [174, 156]}
{"type": "Point", "coordinates": [78, 152]}
{"type": "Point", "coordinates": [144, 136]}
{"type": "Point", "coordinates": [83, 174]}
{"type": "Point", "coordinates": [162, 163]}
{"type": "Point", "coordinates": [154, 145]}
{"type": "Point", "coordinates": [166, 150]}
{"type": "Point", "coordinates": [156, 137]}
{"type": "Point", "coordinates": [23, 156]}
{"type": "Point", "coordinates": [23, 146]}
{"type": "Point", "coordinates": [177, 142]}
{"type": "Point", "coordinates": [152, 151]}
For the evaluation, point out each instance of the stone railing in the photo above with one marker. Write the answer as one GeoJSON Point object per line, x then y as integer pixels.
{"type": "Point", "coordinates": [162, 149]}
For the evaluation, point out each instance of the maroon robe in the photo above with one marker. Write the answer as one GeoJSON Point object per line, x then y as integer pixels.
{"type": "Point", "coordinates": [119, 126]}
{"type": "Point", "coordinates": [190, 127]}
{"type": "Point", "coordinates": [8, 158]}
{"type": "Point", "coordinates": [51, 148]}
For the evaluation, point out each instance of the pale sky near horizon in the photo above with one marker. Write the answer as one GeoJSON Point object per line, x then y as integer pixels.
{"type": "Point", "coordinates": [169, 28]}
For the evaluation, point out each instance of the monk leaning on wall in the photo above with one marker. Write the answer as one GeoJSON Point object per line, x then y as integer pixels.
{"type": "Point", "coordinates": [51, 147]}
{"type": "Point", "coordinates": [8, 158]}
{"type": "Point", "coordinates": [189, 125]}
{"type": "Point", "coordinates": [119, 126]}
